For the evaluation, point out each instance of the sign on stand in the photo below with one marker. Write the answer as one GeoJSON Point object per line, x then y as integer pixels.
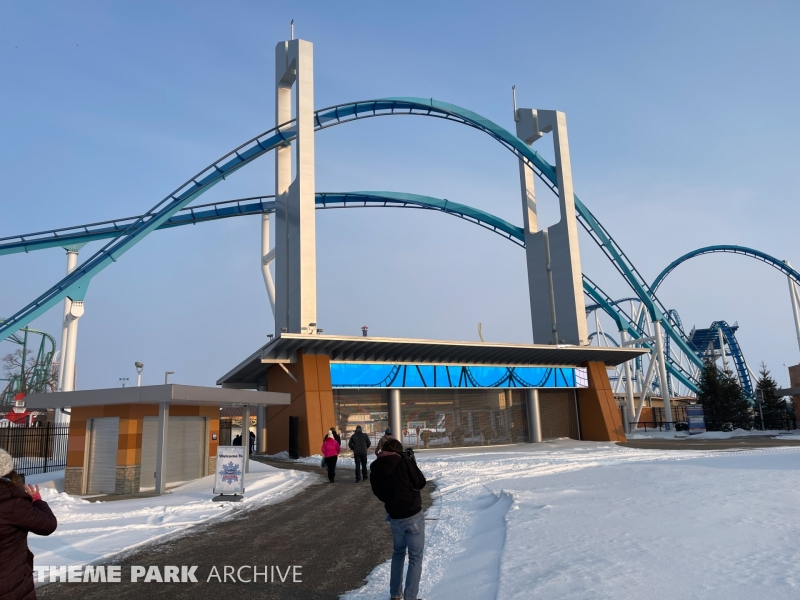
{"type": "Point", "coordinates": [696, 418]}
{"type": "Point", "coordinates": [229, 480]}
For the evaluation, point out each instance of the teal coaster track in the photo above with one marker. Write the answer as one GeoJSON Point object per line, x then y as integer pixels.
{"type": "Point", "coordinates": [172, 211]}
{"type": "Point", "coordinates": [71, 236]}
{"type": "Point", "coordinates": [33, 372]}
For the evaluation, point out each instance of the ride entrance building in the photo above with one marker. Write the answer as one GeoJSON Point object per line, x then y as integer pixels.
{"type": "Point", "coordinates": [433, 393]}
{"type": "Point", "coordinates": [437, 393]}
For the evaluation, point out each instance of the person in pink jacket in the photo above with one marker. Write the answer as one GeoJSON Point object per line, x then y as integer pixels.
{"type": "Point", "coordinates": [330, 451]}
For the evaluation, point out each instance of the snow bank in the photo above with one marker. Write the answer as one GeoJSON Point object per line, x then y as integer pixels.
{"type": "Point", "coordinates": [640, 434]}
{"type": "Point", "coordinates": [345, 460]}
{"type": "Point", "coordinates": [580, 520]}
{"type": "Point", "coordinates": [93, 531]}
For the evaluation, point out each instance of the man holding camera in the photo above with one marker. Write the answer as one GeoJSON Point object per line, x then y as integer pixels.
{"type": "Point", "coordinates": [396, 481]}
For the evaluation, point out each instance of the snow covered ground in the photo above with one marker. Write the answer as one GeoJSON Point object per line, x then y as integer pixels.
{"type": "Point", "coordinates": [578, 520]}
{"type": "Point", "coordinates": [641, 434]}
{"type": "Point", "coordinates": [92, 531]}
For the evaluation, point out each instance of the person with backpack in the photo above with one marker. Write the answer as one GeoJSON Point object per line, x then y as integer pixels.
{"type": "Point", "coordinates": [359, 443]}
{"type": "Point", "coordinates": [22, 511]}
{"type": "Point", "coordinates": [396, 480]}
{"type": "Point", "coordinates": [330, 452]}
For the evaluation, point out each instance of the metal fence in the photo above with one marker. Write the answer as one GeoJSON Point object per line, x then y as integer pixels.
{"type": "Point", "coordinates": [658, 425]}
{"type": "Point", "coordinates": [36, 449]}
{"type": "Point", "coordinates": [755, 426]}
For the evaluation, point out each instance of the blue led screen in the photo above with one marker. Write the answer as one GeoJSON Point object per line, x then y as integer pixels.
{"type": "Point", "coordinates": [371, 375]}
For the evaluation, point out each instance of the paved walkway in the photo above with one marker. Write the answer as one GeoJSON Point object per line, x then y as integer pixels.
{"type": "Point", "coordinates": [736, 443]}
{"type": "Point", "coordinates": [336, 532]}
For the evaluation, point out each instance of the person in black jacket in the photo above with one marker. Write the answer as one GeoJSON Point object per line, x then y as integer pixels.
{"type": "Point", "coordinates": [22, 511]}
{"type": "Point", "coordinates": [359, 443]}
{"type": "Point", "coordinates": [396, 481]}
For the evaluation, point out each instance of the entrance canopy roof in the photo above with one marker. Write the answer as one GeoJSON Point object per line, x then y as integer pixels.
{"type": "Point", "coordinates": [172, 393]}
{"type": "Point", "coordinates": [283, 349]}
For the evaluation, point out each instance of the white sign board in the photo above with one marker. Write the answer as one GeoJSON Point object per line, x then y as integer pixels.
{"type": "Point", "coordinates": [230, 470]}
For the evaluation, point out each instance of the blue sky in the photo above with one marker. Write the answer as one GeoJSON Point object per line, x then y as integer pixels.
{"type": "Point", "coordinates": [683, 129]}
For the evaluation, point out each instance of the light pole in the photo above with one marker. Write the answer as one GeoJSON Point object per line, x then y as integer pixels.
{"type": "Point", "coordinates": [166, 376]}
{"type": "Point", "coordinates": [139, 368]}
{"type": "Point", "coordinates": [123, 380]}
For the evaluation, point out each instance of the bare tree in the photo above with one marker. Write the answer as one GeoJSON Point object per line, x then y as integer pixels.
{"type": "Point", "coordinates": [32, 376]}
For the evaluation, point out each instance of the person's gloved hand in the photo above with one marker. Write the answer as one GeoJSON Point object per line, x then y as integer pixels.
{"type": "Point", "coordinates": [33, 490]}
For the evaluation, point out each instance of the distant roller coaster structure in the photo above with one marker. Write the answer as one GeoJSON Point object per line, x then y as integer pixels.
{"type": "Point", "coordinates": [637, 325]}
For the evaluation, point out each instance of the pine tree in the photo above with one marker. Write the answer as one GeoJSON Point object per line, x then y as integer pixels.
{"type": "Point", "coordinates": [709, 394]}
{"type": "Point", "coordinates": [736, 405]}
{"type": "Point", "coordinates": [777, 411]}
{"type": "Point", "coordinates": [722, 398]}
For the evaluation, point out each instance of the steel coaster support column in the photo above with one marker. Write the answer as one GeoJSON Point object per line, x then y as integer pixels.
{"type": "Point", "coordinates": [722, 349]}
{"type": "Point", "coordinates": [246, 436]}
{"type": "Point", "coordinates": [266, 258]}
{"type": "Point", "coordinates": [662, 371]}
{"type": "Point", "coordinates": [395, 415]}
{"type": "Point", "coordinates": [75, 313]}
{"type": "Point", "coordinates": [795, 301]}
{"type": "Point", "coordinates": [295, 225]}
{"type": "Point", "coordinates": [161, 447]}
{"type": "Point", "coordinates": [534, 416]}
{"type": "Point", "coordinates": [554, 265]}
{"type": "Point", "coordinates": [629, 401]}
{"type": "Point", "coordinates": [72, 262]}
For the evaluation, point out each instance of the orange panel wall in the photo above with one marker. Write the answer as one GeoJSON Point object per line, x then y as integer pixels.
{"type": "Point", "coordinates": [311, 401]}
{"type": "Point", "coordinates": [129, 449]}
{"type": "Point", "coordinates": [599, 414]}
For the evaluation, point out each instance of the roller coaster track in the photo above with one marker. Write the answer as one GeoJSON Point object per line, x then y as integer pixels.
{"type": "Point", "coordinates": [607, 337]}
{"type": "Point", "coordinates": [263, 204]}
{"type": "Point", "coordinates": [75, 284]}
{"type": "Point", "coordinates": [737, 355]}
{"type": "Point", "coordinates": [590, 308]}
{"type": "Point", "coordinates": [736, 351]}
{"type": "Point", "coordinates": [729, 249]}
{"type": "Point", "coordinates": [81, 234]}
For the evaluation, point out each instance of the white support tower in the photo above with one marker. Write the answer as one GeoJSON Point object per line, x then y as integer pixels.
{"type": "Point", "coordinates": [72, 262]}
{"type": "Point", "coordinates": [295, 225]}
{"type": "Point", "coordinates": [722, 349]}
{"type": "Point", "coordinates": [795, 302]}
{"type": "Point", "coordinates": [554, 263]}
{"type": "Point", "coordinates": [73, 310]}
{"type": "Point", "coordinates": [629, 400]}
{"type": "Point", "coordinates": [663, 382]}
{"type": "Point", "coordinates": [267, 256]}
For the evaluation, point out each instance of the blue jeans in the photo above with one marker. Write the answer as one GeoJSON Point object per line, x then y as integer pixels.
{"type": "Point", "coordinates": [407, 534]}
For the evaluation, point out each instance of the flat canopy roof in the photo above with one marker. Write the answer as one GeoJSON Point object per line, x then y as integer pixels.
{"type": "Point", "coordinates": [283, 349]}
{"type": "Point", "coordinates": [172, 393]}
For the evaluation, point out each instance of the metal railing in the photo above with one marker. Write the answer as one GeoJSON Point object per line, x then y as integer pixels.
{"type": "Point", "coordinates": [660, 425]}
{"type": "Point", "coordinates": [36, 449]}
{"type": "Point", "coordinates": [725, 426]}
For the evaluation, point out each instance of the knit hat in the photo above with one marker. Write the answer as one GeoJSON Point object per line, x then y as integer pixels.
{"type": "Point", "coordinates": [388, 431]}
{"type": "Point", "coordinates": [6, 463]}
{"type": "Point", "coordinates": [358, 427]}
{"type": "Point", "coordinates": [330, 435]}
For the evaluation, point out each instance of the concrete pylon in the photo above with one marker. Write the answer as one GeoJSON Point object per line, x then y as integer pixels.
{"type": "Point", "coordinates": [295, 224]}
{"type": "Point", "coordinates": [555, 279]}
